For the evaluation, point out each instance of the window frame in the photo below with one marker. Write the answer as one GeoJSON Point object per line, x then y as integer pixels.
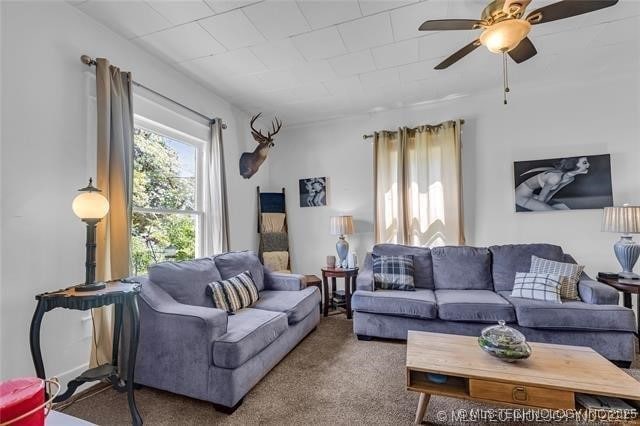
{"type": "Point", "coordinates": [199, 212]}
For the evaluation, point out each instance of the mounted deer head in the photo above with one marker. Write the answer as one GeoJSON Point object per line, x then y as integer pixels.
{"type": "Point", "coordinates": [250, 161]}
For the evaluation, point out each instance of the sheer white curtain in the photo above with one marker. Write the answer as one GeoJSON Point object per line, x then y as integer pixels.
{"type": "Point", "coordinates": [216, 229]}
{"type": "Point", "coordinates": [418, 186]}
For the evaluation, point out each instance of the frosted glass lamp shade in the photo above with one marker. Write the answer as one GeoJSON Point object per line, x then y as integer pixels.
{"type": "Point", "coordinates": [505, 35]}
{"type": "Point", "coordinates": [341, 225]}
{"type": "Point", "coordinates": [90, 203]}
{"type": "Point", "coordinates": [621, 220]}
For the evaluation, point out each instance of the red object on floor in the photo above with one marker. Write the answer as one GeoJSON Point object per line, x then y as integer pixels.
{"type": "Point", "coordinates": [19, 396]}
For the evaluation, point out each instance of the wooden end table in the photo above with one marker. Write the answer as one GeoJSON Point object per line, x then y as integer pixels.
{"type": "Point", "coordinates": [123, 296]}
{"type": "Point", "coordinates": [314, 281]}
{"type": "Point", "coordinates": [349, 275]}
{"type": "Point", "coordinates": [550, 378]}
{"type": "Point", "coordinates": [628, 288]}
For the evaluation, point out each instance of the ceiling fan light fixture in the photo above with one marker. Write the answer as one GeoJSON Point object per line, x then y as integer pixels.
{"type": "Point", "coordinates": [504, 36]}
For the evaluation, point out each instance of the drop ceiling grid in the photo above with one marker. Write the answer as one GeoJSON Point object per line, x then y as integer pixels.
{"type": "Point", "coordinates": [286, 54]}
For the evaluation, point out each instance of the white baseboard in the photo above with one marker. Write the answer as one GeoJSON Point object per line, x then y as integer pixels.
{"type": "Point", "coordinates": [66, 376]}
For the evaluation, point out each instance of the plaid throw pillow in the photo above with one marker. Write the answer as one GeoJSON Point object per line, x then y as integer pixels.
{"type": "Point", "coordinates": [393, 272]}
{"type": "Point", "coordinates": [234, 293]}
{"type": "Point", "coordinates": [569, 274]}
{"type": "Point", "coordinates": [545, 287]}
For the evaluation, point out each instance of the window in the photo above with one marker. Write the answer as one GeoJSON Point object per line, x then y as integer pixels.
{"type": "Point", "coordinates": [167, 215]}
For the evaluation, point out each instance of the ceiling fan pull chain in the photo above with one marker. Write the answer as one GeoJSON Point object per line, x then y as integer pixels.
{"type": "Point", "coordinates": [505, 74]}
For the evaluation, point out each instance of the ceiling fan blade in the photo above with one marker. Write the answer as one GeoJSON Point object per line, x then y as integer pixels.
{"type": "Point", "coordinates": [567, 9]}
{"type": "Point", "coordinates": [458, 55]}
{"type": "Point", "coordinates": [449, 24]}
{"type": "Point", "coordinates": [523, 51]}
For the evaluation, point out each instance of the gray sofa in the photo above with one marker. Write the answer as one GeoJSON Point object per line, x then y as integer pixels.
{"type": "Point", "coordinates": [461, 290]}
{"type": "Point", "coordinates": [191, 348]}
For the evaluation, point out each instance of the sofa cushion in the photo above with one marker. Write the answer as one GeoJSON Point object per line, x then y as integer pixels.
{"type": "Point", "coordinates": [235, 262]}
{"type": "Point", "coordinates": [186, 281]}
{"type": "Point", "coordinates": [460, 268]}
{"type": "Point", "coordinates": [473, 305]}
{"type": "Point", "coordinates": [420, 303]}
{"type": "Point", "coordinates": [249, 331]}
{"type": "Point", "coordinates": [422, 267]}
{"type": "Point", "coordinates": [572, 315]}
{"type": "Point", "coordinates": [295, 304]}
{"type": "Point", "coordinates": [511, 258]}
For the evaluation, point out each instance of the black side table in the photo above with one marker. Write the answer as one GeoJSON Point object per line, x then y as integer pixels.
{"type": "Point", "coordinates": [123, 296]}
{"type": "Point", "coordinates": [349, 275]}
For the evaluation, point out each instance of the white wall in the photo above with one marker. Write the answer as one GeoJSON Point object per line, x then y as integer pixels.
{"type": "Point", "coordinates": [582, 116]}
{"type": "Point", "coordinates": [45, 159]}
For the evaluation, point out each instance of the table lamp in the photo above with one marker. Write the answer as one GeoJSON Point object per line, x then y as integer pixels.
{"type": "Point", "coordinates": [90, 206]}
{"type": "Point", "coordinates": [341, 226]}
{"type": "Point", "coordinates": [624, 220]}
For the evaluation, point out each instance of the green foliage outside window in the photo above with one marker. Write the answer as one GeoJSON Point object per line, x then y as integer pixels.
{"type": "Point", "coordinates": [162, 180]}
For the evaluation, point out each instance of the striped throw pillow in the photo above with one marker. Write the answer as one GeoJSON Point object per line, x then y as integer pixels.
{"type": "Point", "coordinates": [393, 272]}
{"type": "Point", "coordinates": [569, 274]}
{"type": "Point", "coordinates": [234, 293]}
{"type": "Point", "coordinates": [529, 285]}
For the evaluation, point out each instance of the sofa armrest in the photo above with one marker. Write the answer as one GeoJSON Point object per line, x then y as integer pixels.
{"type": "Point", "coordinates": [284, 282]}
{"type": "Point", "coordinates": [364, 281]}
{"type": "Point", "coordinates": [597, 293]}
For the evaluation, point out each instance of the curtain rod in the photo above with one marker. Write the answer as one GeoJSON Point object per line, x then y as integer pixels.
{"type": "Point", "coordinates": [89, 61]}
{"type": "Point", "coordinates": [365, 137]}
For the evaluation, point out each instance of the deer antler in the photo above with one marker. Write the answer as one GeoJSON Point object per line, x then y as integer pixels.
{"type": "Point", "coordinates": [276, 125]}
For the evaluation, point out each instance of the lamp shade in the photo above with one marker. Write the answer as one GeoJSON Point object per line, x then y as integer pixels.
{"type": "Point", "coordinates": [505, 35]}
{"type": "Point", "coordinates": [622, 220]}
{"type": "Point", "coordinates": [90, 203]}
{"type": "Point", "coordinates": [341, 225]}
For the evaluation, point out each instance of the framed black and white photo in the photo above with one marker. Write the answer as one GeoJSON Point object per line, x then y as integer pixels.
{"type": "Point", "coordinates": [569, 183]}
{"type": "Point", "coordinates": [313, 192]}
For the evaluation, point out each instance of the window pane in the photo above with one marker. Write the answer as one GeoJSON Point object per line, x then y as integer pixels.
{"type": "Point", "coordinates": [164, 172]}
{"type": "Point", "coordinates": [152, 233]}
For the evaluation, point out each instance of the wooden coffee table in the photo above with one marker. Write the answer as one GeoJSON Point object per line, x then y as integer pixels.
{"type": "Point", "coordinates": [550, 378]}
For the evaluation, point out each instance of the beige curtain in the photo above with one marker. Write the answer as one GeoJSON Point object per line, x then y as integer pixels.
{"type": "Point", "coordinates": [418, 186]}
{"type": "Point", "coordinates": [114, 178]}
{"type": "Point", "coordinates": [217, 224]}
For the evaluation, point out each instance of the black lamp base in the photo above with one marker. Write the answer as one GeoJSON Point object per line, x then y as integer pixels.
{"type": "Point", "coordinates": [90, 287]}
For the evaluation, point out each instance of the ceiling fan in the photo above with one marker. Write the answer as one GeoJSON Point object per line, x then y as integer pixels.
{"type": "Point", "coordinates": [505, 28]}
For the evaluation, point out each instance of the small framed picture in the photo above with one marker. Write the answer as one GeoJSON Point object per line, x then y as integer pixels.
{"type": "Point", "coordinates": [313, 192]}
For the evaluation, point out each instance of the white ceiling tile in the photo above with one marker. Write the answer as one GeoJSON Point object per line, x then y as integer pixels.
{"type": "Point", "coordinates": [377, 79]}
{"type": "Point", "coordinates": [569, 40]}
{"type": "Point", "coordinates": [277, 19]}
{"type": "Point", "coordinates": [221, 6]}
{"type": "Point", "coordinates": [418, 71]}
{"type": "Point", "coordinates": [232, 29]}
{"type": "Point", "coordinates": [180, 12]}
{"type": "Point", "coordinates": [369, 7]}
{"type": "Point", "coordinates": [300, 93]}
{"type": "Point", "coordinates": [229, 64]}
{"type": "Point", "coordinates": [278, 54]}
{"type": "Point", "coordinates": [406, 20]}
{"type": "Point", "coordinates": [354, 63]}
{"type": "Point", "coordinates": [188, 41]}
{"type": "Point", "coordinates": [367, 32]}
{"type": "Point", "coordinates": [320, 44]}
{"type": "Point", "coordinates": [619, 32]}
{"type": "Point", "coordinates": [444, 43]}
{"type": "Point", "coordinates": [313, 71]}
{"type": "Point", "coordinates": [470, 9]}
{"type": "Point", "coordinates": [391, 55]}
{"type": "Point", "coordinates": [319, 14]}
{"type": "Point", "coordinates": [134, 20]}
{"type": "Point", "coordinates": [277, 80]}
{"type": "Point", "coordinates": [346, 85]}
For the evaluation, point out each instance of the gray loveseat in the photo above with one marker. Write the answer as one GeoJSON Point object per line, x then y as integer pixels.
{"type": "Point", "coordinates": [460, 290]}
{"type": "Point", "coordinates": [191, 348]}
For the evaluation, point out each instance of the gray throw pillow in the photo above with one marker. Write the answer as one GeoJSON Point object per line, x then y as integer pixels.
{"type": "Point", "coordinates": [569, 274]}
{"type": "Point", "coordinates": [393, 272]}
{"type": "Point", "coordinates": [545, 287]}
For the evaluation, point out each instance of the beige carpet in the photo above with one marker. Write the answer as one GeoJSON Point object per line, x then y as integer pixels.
{"type": "Point", "coordinates": [330, 378]}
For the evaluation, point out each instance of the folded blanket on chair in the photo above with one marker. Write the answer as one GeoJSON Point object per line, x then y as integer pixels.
{"type": "Point", "coordinates": [276, 261]}
{"type": "Point", "coordinates": [275, 241]}
{"type": "Point", "coordinates": [273, 222]}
